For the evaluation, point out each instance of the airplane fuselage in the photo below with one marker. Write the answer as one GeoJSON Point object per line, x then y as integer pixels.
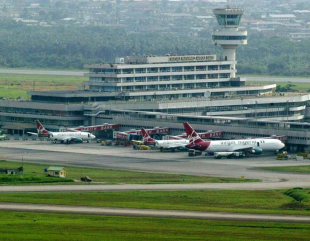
{"type": "Point", "coordinates": [171, 143]}
{"type": "Point", "coordinates": [233, 145]}
{"type": "Point", "coordinates": [65, 136]}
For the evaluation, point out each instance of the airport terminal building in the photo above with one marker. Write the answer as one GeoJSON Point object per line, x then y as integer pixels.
{"type": "Point", "coordinates": [148, 91]}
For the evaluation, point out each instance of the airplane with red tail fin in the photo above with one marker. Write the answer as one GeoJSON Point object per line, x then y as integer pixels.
{"type": "Point", "coordinates": [249, 146]}
{"type": "Point", "coordinates": [164, 144]}
{"type": "Point", "coordinates": [62, 137]}
{"type": "Point", "coordinates": [146, 137]}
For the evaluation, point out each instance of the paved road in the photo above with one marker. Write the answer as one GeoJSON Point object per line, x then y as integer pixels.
{"type": "Point", "coordinates": [153, 187]}
{"type": "Point", "coordinates": [41, 72]}
{"type": "Point", "coordinates": [151, 213]}
{"type": "Point", "coordinates": [278, 79]}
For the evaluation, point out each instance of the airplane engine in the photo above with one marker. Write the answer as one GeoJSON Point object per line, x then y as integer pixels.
{"type": "Point", "coordinates": [78, 140]}
{"type": "Point", "coordinates": [257, 151]}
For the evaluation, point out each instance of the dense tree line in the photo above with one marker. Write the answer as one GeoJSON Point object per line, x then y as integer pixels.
{"type": "Point", "coordinates": [74, 46]}
{"type": "Point", "coordinates": [274, 56]}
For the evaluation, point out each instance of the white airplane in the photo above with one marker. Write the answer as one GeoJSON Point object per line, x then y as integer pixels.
{"type": "Point", "coordinates": [63, 137]}
{"type": "Point", "coordinates": [164, 144]}
{"type": "Point", "coordinates": [251, 146]}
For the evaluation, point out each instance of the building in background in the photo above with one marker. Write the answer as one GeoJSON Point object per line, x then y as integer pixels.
{"type": "Point", "coordinates": [148, 91]}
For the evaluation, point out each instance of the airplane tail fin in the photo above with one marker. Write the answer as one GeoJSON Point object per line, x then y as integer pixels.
{"type": "Point", "coordinates": [41, 130]}
{"type": "Point", "coordinates": [146, 136]}
{"type": "Point", "coordinates": [191, 133]}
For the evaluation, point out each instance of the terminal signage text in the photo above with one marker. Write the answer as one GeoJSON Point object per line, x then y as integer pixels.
{"type": "Point", "coordinates": [98, 128]}
{"type": "Point", "coordinates": [192, 58]}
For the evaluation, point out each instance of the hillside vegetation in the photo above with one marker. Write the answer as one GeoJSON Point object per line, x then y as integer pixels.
{"type": "Point", "coordinates": [74, 46]}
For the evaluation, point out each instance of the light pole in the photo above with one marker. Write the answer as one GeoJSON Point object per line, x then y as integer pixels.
{"type": "Point", "coordinates": [23, 162]}
{"type": "Point", "coordinates": [197, 106]}
{"type": "Point", "coordinates": [287, 110]}
{"type": "Point", "coordinates": [256, 111]}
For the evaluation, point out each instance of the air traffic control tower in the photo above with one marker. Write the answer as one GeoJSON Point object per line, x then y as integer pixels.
{"type": "Point", "coordinates": [229, 37]}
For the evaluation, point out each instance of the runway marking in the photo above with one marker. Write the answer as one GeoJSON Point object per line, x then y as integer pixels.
{"type": "Point", "coordinates": [153, 187]}
{"type": "Point", "coordinates": [105, 211]}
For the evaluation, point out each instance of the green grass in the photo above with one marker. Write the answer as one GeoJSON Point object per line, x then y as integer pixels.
{"type": "Point", "coordinates": [119, 177]}
{"type": "Point", "coordinates": [17, 85]}
{"type": "Point", "coordinates": [298, 169]}
{"type": "Point", "coordinates": [298, 86]}
{"type": "Point", "coordinates": [30, 179]}
{"type": "Point", "coordinates": [47, 226]}
{"type": "Point", "coordinates": [294, 201]}
{"type": "Point", "coordinates": [275, 76]}
{"type": "Point", "coordinates": [46, 69]}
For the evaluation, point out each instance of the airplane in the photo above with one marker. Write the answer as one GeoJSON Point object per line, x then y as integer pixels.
{"type": "Point", "coordinates": [164, 144]}
{"type": "Point", "coordinates": [248, 146]}
{"type": "Point", "coordinates": [63, 137]}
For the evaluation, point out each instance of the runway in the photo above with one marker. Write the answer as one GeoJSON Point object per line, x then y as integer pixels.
{"type": "Point", "coordinates": [151, 213]}
{"type": "Point", "coordinates": [41, 72]}
{"type": "Point", "coordinates": [278, 79]}
{"type": "Point", "coordinates": [125, 158]}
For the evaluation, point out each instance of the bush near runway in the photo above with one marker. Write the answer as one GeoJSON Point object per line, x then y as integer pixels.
{"type": "Point", "coordinates": [293, 201]}
{"type": "Point", "coordinates": [30, 179]}
{"type": "Point", "coordinates": [107, 176]}
{"type": "Point", "coordinates": [297, 169]}
{"type": "Point", "coordinates": [49, 226]}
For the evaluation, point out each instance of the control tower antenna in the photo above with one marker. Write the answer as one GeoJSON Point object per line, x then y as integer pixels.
{"type": "Point", "coordinates": [229, 37]}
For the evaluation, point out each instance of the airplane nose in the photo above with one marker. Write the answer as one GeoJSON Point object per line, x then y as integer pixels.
{"type": "Point", "coordinates": [282, 145]}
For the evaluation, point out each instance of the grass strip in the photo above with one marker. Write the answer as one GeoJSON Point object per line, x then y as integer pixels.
{"type": "Point", "coordinates": [297, 169]}
{"type": "Point", "coordinates": [47, 226]}
{"type": "Point", "coordinates": [17, 85]}
{"type": "Point", "coordinates": [242, 201]}
{"type": "Point", "coordinates": [117, 176]}
{"type": "Point", "coordinates": [297, 86]}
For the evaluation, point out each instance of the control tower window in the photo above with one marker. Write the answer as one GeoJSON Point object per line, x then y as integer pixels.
{"type": "Point", "coordinates": [217, 37]}
{"type": "Point", "coordinates": [229, 20]}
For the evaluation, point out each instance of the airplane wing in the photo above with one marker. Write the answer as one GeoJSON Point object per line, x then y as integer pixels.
{"type": "Point", "coordinates": [241, 148]}
{"type": "Point", "coordinates": [178, 146]}
{"type": "Point", "coordinates": [32, 133]}
{"type": "Point", "coordinates": [73, 139]}
{"type": "Point", "coordinates": [176, 138]}
{"type": "Point", "coordinates": [72, 130]}
{"type": "Point", "coordinates": [67, 140]}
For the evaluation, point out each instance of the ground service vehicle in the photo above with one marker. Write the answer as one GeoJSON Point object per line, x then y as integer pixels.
{"type": "Point", "coordinates": [86, 179]}
{"type": "Point", "coordinates": [283, 156]}
{"type": "Point", "coordinates": [193, 152]}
